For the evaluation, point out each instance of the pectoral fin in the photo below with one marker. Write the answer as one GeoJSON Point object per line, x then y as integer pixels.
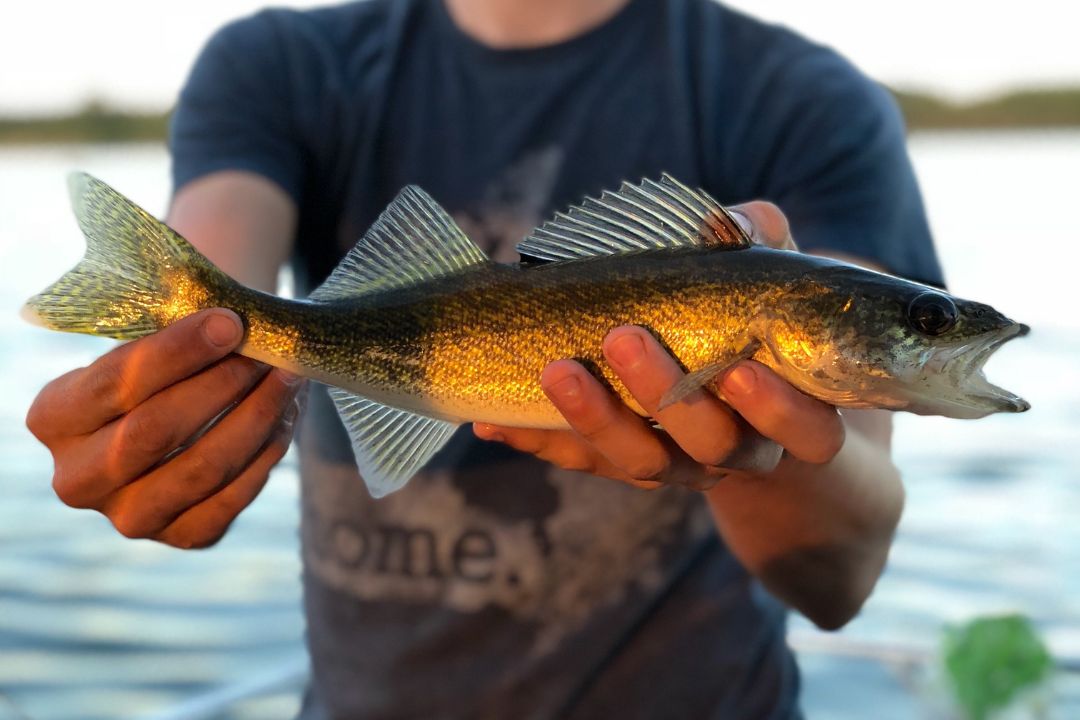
{"type": "Point", "coordinates": [698, 379]}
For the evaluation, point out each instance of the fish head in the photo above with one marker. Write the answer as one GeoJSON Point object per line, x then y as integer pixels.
{"type": "Point", "coordinates": [858, 338]}
{"type": "Point", "coordinates": [941, 368]}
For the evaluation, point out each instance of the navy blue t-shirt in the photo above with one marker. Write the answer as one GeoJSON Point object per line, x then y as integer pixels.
{"type": "Point", "coordinates": [494, 585]}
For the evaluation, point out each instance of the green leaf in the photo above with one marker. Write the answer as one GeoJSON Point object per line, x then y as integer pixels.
{"type": "Point", "coordinates": [990, 660]}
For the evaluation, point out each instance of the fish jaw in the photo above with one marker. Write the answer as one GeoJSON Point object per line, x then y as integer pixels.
{"type": "Point", "coordinates": [946, 380]}
{"type": "Point", "coordinates": [956, 385]}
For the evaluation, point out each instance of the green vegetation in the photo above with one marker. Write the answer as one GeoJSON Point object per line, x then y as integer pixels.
{"type": "Point", "coordinates": [991, 660]}
{"type": "Point", "coordinates": [1022, 109]}
{"type": "Point", "coordinates": [95, 123]}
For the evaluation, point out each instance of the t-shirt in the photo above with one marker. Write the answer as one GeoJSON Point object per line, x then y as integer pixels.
{"type": "Point", "coordinates": [494, 585]}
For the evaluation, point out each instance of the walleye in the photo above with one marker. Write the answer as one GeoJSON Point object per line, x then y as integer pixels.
{"type": "Point", "coordinates": [417, 331]}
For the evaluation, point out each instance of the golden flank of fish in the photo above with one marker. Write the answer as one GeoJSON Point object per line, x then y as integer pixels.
{"type": "Point", "coordinates": [417, 331]}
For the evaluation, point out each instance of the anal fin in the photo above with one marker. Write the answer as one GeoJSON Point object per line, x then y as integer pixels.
{"type": "Point", "coordinates": [698, 379]}
{"type": "Point", "coordinates": [390, 445]}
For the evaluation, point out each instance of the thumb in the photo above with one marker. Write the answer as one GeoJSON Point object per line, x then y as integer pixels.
{"type": "Point", "coordinates": [765, 224]}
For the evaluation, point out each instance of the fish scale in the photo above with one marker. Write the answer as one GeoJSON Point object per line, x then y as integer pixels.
{"type": "Point", "coordinates": [417, 331]}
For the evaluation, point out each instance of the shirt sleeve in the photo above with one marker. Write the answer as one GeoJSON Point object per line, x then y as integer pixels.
{"type": "Point", "coordinates": [829, 148]}
{"type": "Point", "coordinates": [235, 112]}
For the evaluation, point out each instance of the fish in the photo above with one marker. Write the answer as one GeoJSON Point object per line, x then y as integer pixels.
{"type": "Point", "coordinates": [417, 331]}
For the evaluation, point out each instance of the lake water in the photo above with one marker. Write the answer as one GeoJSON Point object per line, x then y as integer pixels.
{"type": "Point", "coordinates": [93, 625]}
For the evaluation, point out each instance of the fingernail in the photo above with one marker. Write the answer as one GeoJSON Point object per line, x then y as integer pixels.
{"type": "Point", "coordinates": [485, 431]}
{"type": "Point", "coordinates": [626, 350]}
{"type": "Point", "coordinates": [567, 389]}
{"type": "Point", "coordinates": [291, 413]}
{"type": "Point", "coordinates": [221, 330]}
{"type": "Point", "coordinates": [289, 378]}
{"type": "Point", "coordinates": [740, 381]}
{"type": "Point", "coordinates": [743, 222]}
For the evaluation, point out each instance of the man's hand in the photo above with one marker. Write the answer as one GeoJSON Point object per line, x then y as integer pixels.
{"type": "Point", "coordinates": [129, 436]}
{"type": "Point", "coordinates": [703, 434]}
{"type": "Point", "coordinates": [815, 525]}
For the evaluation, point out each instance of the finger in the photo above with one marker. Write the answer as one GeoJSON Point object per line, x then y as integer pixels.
{"type": "Point", "coordinates": [808, 429]}
{"type": "Point", "coordinates": [127, 447]}
{"type": "Point", "coordinates": [700, 424]}
{"type": "Point", "coordinates": [48, 414]}
{"type": "Point", "coordinates": [563, 448]}
{"type": "Point", "coordinates": [608, 425]}
{"type": "Point", "coordinates": [143, 508]}
{"type": "Point", "coordinates": [559, 447]}
{"type": "Point", "coordinates": [85, 400]}
{"type": "Point", "coordinates": [769, 225]}
{"type": "Point", "coordinates": [203, 524]}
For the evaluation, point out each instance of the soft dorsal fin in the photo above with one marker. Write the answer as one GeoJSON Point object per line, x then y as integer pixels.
{"type": "Point", "coordinates": [390, 445]}
{"type": "Point", "coordinates": [414, 240]}
{"type": "Point", "coordinates": [665, 214]}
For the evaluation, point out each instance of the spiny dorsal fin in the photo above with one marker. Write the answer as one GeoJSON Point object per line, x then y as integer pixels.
{"type": "Point", "coordinates": [648, 216]}
{"type": "Point", "coordinates": [413, 241]}
{"type": "Point", "coordinates": [390, 445]}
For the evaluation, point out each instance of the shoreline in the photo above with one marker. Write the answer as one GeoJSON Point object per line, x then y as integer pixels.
{"type": "Point", "coordinates": [1027, 109]}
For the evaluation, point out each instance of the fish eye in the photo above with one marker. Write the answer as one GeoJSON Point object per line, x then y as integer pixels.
{"type": "Point", "coordinates": [932, 313]}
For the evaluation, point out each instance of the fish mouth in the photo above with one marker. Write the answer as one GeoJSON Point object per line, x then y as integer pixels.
{"type": "Point", "coordinates": [971, 395]}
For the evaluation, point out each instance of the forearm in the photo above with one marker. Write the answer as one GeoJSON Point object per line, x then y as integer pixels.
{"type": "Point", "coordinates": [816, 535]}
{"type": "Point", "coordinates": [816, 529]}
{"type": "Point", "coordinates": [242, 222]}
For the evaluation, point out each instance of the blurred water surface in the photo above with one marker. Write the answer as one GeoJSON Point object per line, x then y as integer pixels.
{"type": "Point", "coordinates": [93, 625]}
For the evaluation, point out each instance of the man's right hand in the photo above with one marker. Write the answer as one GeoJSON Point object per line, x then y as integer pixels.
{"type": "Point", "coordinates": [125, 431]}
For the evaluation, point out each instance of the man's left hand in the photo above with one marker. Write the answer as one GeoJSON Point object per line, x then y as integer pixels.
{"type": "Point", "coordinates": [705, 437]}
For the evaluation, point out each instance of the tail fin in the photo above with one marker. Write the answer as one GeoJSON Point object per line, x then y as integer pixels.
{"type": "Point", "coordinates": [136, 277]}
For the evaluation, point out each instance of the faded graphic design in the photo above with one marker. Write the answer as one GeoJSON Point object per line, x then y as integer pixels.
{"type": "Point", "coordinates": [426, 545]}
{"type": "Point", "coordinates": [483, 525]}
{"type": "Point", "coordinates": [513, 205]}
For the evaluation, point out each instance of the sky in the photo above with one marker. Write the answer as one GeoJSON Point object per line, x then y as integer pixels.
{"type": "Point", "coordinates": [55, 56]}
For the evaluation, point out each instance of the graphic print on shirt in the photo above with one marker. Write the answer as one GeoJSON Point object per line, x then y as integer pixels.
{"type": "Point", "coordinates": [485, 525]}
{"type": "Point", "coordinates": [427, 545]}
{"type": "Point", "coordinates": [511, 207]}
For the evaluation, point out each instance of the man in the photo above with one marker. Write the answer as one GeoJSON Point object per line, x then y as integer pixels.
{"type": "Point", "coordinates": [498, 584]}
